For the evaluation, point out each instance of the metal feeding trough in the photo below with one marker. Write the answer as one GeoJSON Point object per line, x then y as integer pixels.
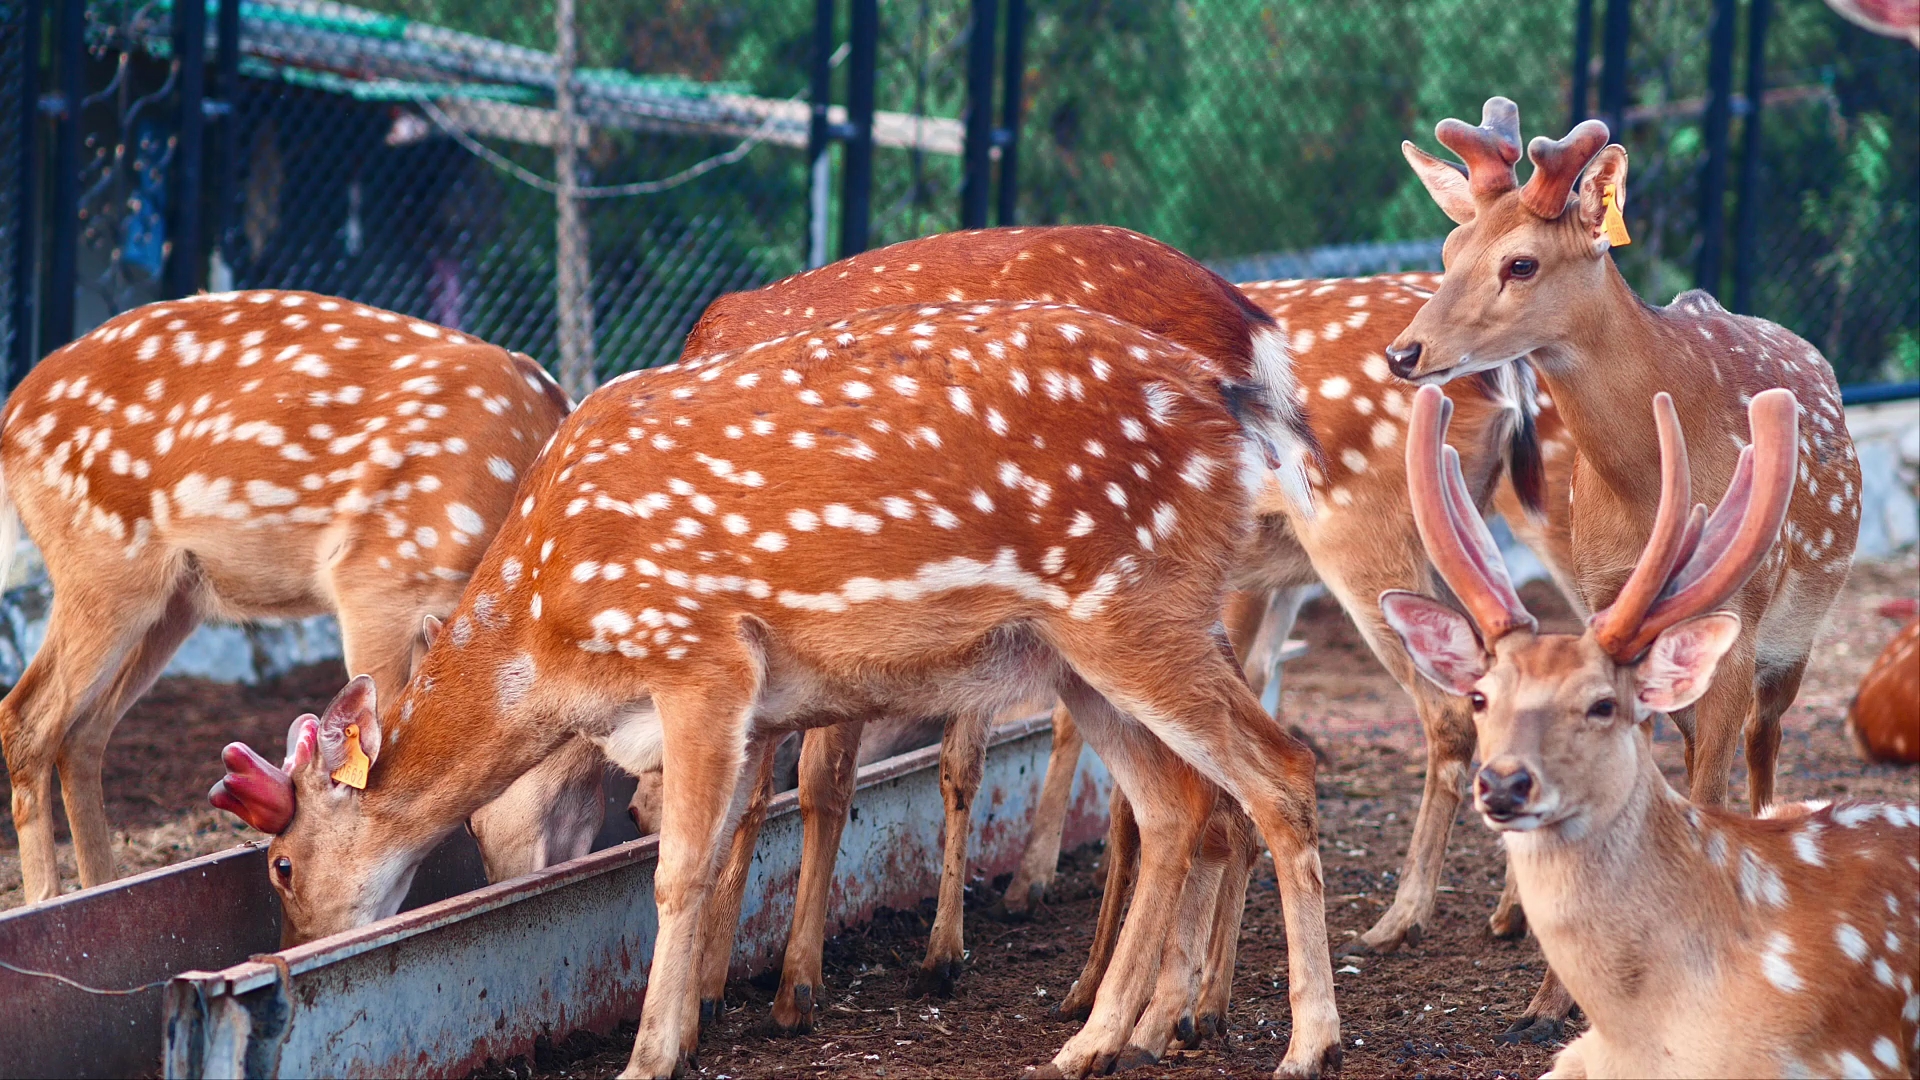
{"type": "Point", "coordinates": [441, 989]}
{"type": "Point", "coordinates": [467, 971]}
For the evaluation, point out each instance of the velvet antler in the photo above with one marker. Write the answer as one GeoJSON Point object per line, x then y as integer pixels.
{"type": "Point", "coordinates": [1490, 150]}
{"type": "Point", "coordinates": [1557, 164]}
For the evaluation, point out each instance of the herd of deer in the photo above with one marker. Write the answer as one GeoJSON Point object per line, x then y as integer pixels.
{"type": "Point", "coordinates": [971, 471]}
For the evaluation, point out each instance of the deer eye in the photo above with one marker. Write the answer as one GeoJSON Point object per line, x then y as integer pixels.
{"type": "Point", "coordinates": [283, 870]}
{"type": "Point", "coordinates": [1520, 269]}
{"type": "Point", "coordinates": [1602, 709]}
{"type": "Point", "coordinates": [1478, 700]}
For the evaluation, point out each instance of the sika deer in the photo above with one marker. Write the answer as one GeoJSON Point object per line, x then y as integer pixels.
{"type": "Point", "coordinates": [1529, 277]}
{"type": "Point", "coordinates": [241, 456]}
{"type": "Point", "coordinates": [1699, 942]}
{"type": "Point", "coordinates": [683, 582]}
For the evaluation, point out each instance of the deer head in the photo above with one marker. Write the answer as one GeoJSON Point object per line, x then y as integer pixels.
{"type": "Point", "coordinates": [1521, 258]}
{"type": "Point", "coordinates": [325, 833]}
{"type": "Point", "coordinates": [1556, 713]}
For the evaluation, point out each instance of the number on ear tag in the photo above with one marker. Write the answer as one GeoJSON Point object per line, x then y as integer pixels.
{"type": "Point", "coordinates": [354, 772]}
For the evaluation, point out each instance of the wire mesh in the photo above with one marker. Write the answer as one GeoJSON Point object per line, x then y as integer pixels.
{"type": "Point", "coordinates": [402, 152]}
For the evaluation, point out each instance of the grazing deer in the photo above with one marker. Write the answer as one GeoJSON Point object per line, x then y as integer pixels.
{"type": "Point", "coordinates": [1699, 942]}
{"type": "Point", "coordinates": [925, 509]}
{"type": "Point", "coordinates": [1361, 541]}
{"type": "Point", "coordinates": [250, 455]}
{"type": "Point", "coordinates": [1883, 720]}
{"type": "Point", "coordinates": [1529, 277]}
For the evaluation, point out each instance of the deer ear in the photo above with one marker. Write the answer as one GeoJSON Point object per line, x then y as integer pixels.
{"type": "Point", "coordinates": [1680, 665]}
{"type": "Point", "coordinates": [1607, 171]}
{"type": "Point", "coordinates": [1440, 639]}
{"type": "Point", "coordinates": [352, 708]}
{"type": "Point", "coordinates": [1446, 183]}
{"type": "Point", "coordinates": [430, 628]}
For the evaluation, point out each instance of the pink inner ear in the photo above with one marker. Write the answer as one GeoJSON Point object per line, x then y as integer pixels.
{"type": "Point", "coordinates": [253, 790]}
{"type": "Point", "coordinates": [1440, 640]}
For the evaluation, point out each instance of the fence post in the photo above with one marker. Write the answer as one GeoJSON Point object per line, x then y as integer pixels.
{"type": "Point", "coordinates": [819, 143]}
{"type": "Point", "coordinates": [1713, 170]}
{"type": "Point", "coordinates": [856, 192]}
{"type": "Point", "coordinates": [189, 148]}
{"type": "Point", "coordinates": [63, 268]}
{"type": "Point", "coordinates": [1746, 224]}
{"type": "Point", "coordinates": [26, 215]}
{"type": "Point", "coordinates": [1582, 62]}
{"type": "Point", "coordinates": [976, 184]}
{"type": "Point", "coordinates": [1613, 69]}
{"type": "Point", "coordinates": [573, 276]}
{"type": "Point", "coordinates": [1007, 137]}
{"type": "Point", "coordinates": [227, 109]}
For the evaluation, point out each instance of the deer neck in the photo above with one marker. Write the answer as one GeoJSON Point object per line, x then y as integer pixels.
{"type": "Point", "coordinates": [1603, 375]}
{"type": "Point", "coordinates": [1602, 901]}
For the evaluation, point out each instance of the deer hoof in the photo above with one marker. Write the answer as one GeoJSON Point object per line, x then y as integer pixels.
{"type": "Point", "coordinates": [1185, 1034]}
{"type": "Point", "coordinates": [795, 1018]}
{"type": "Point", "coordinates": [711, 1008]}
{"type": "Point", "coordinates": [1134, 1057]}
{"type": "Point", "coordinates": [936, 979]}
{"type": "Point", "coordinates": [1327, 1065]}
{"type": "Point", "coordinates": [1509, 924]}
{"type": "Point", "coordinates": [1212, 1026]}
{"type": "Point", "coordinates": [1533, 1029]}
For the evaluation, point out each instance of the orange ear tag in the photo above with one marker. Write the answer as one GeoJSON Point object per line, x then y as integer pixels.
{"type": "Point", "coordinates": [354, 772]}
{"type": "Point", "coordinates": [1612, 223]}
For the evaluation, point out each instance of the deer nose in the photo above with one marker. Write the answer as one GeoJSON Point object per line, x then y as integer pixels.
{"type": "Point", "coordinates": [1403, 359]}
{"type": "Point", "coordinates": [1502, 795]}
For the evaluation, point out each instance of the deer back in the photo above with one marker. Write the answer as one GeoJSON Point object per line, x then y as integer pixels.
{"type": "Point", "coordinates": [1884, 717]}
{"type": "Point", "coordinates": [269, 433]}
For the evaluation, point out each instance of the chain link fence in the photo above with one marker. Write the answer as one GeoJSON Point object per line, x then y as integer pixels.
{"type": "Point", "coordinates": [405, 152]}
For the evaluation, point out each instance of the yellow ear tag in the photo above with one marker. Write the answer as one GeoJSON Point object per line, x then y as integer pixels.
{"type": "Point", "coordinates": [354, 772]}
{"type": "Point", "coordinates": [1612, 223]}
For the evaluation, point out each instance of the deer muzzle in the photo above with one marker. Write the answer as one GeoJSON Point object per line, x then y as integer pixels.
{"type": "Point", "coordinates": [1502, 790]}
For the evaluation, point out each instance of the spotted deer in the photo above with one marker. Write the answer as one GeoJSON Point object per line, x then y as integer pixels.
{"type": "Point", "coordinates": [1360, 540]}
{"type": "Point", "coordinates": [1699, 942]}
{"type": "Point", "coordinates": [930, 509]}
{"type": "Point", "coordinates": [1883, 719]}
{"type": "Point", "coordinates": [1529, 275]}
{"type": "Point", "coordinates": [248, 455]}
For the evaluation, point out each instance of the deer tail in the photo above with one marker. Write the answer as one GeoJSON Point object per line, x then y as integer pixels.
{"type": "Point", "coordinates": [1516, 388]}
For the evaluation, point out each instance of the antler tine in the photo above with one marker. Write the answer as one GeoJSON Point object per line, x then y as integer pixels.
{"type": "Point", "coordinates": [1758, 499]}
{"type": "Point", "coordinates": [1490, 150]}
{"type": "Point", "coordinates": [1455, 537]}
{"type": "Point", "coordinates": [1616, 626]}
{"type": "Point", "coordinates": [1557, 164]}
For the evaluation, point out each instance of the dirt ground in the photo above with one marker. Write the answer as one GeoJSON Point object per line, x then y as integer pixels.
{"type": "Point", "coordinates": [1432, 1009]}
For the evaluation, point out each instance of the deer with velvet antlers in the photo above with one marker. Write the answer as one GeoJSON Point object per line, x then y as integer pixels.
{"type": "Point", "coordinates": [249, 455]}
{"type": "Point", "coordinates": [812, 529]}
{"type": "Point", "coordinates": [1699, 942]}
{"type": "Point", "coordinates": [1529, 276]}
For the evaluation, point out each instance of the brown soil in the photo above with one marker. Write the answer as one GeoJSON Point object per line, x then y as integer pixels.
{"type": "Point", "coordinates": [1433, 1009]}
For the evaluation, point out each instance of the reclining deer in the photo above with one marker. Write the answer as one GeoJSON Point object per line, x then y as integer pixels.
{"type": "Point", "coordinates": [251, 455]}
{"type": "Point", "coordinates": [1529, 277]}
{"type": "Point", "coordinates": [678, 594]}
{"type": "Point", "coordinates": [1699, 942]}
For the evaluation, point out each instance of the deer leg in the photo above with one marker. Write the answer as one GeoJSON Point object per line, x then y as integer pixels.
{"type": "Point", "coordinates": [963, 751]}
{"type": "Point", "coordinates": [1171, 802]}
{"type": "Point", "coordinates": [1123, 860]}
{"type": "Point", "coordinates": [829, 758]}
{"type": "Point", "coordinates": [1170, 1011]}
{"type": "Point", "coordinates": [86, 743]}
{"type": "Point", "coordinates": [1450, 740]}
{"type": "Point", "coordinates": [1215, 718]}
{"type": "Point", "coordinates": [549, 815]}
{"type": "Point", "coordinates": [1216, 983]}
{"type": "Point", "coordinates": [704, 730]}
{"type": "Point", "coordinates": [1719, 716]}
{"type": "Point", "coordinates": [1509, 920]}
{"type": "Point", "coordinates": [723, 909]}
{"type": "Point", "coordinates": [1774, 692]}
{"type": "Point", "coordinates": [65, 680]}
{"type": "Point", "coordinates": [1546, 1016]}
{"type": "Point", "coordinates": [1042, 856]}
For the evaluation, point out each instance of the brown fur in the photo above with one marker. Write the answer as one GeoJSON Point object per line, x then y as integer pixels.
{"type": "Point", "coordinates": [954, 594]}
{"type": "Point", "coordinates": [250, 455]}
{"type": "Point", "coordinates": [1884, 717]}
